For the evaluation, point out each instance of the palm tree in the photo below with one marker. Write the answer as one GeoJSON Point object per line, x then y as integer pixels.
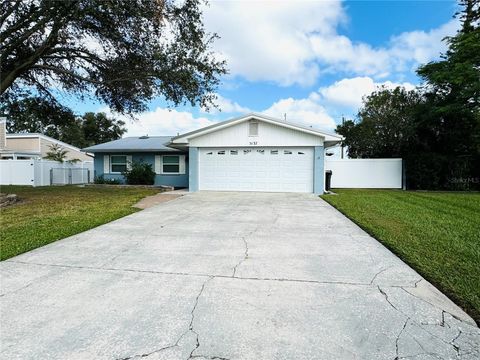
{"type": "Point", "coordinates": [56, 153]}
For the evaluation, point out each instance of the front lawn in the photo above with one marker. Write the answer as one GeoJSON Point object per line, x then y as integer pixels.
{"type": "Point", "coordinates": [438, 234]}
{"type": "Point", "coordinates": [51, 213]}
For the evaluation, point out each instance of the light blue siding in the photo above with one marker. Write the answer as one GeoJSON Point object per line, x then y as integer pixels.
{"type": "Point", "coordinates": [319, 170]}
{"type": "Point", "coordinates": [193, 173]}
{"type": "Point", "coordinates": [180, 180]}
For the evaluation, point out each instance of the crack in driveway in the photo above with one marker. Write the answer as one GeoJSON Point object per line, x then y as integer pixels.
{"type": "Point", "coordinates": [327, 282]}
{"type": "Point", "coordinates": [197, 345]}
{"type": "Point", "coordinates": [408, 319]}
{"type": "Point", "coordinates": [177, 342]}
{"type": "Point", "coordinates": [245, 255]}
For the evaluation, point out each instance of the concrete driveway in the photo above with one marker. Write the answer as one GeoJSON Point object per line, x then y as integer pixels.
{"type": "Point", "coordinates": [226, 276]}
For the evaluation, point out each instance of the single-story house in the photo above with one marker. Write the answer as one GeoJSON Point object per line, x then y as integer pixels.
{"type": "Point", "coordinates": [250, 153]}
{"type": "Point", "coordinates": [170, 164]}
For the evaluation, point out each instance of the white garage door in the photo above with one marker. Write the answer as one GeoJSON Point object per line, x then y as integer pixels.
{"type": "Point", "coordinates": [256, 169]}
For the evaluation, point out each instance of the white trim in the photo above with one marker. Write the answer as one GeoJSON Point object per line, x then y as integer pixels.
{"type": "Point", "coordinates": [106, 164]}
{"type": "Point", "coordinates": [158, 164]}
{"type": "Point", "coordinates": [182, 164]}
{"type": "Point", "coordinates": [184, 139]}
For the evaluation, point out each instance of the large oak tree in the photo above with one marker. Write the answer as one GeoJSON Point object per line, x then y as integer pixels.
{"type": "Point", "coordinates": [122, 52]}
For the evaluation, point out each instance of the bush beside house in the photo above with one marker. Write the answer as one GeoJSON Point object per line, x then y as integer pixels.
{"type": "Point", "coordinates": [139, 173]}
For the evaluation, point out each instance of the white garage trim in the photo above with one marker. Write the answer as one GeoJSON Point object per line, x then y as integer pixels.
{"type": "Point", "coordinates": [327, 139]}
{"type": "Point", "coordinates": [274, 169]}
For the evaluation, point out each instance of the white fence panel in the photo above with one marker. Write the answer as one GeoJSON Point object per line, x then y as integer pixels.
{"type": "Point", "coordinates": [79, 175]}
{"type": "Point", "coordinates": [17, 172]}
{"type": "Point", "coordinates": [39, 172]}
{"type": "Point", "coordinates": [42, 171]}
{"type": "Point", "coordinates": [365, 173]}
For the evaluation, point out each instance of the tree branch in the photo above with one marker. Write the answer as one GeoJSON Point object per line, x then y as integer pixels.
{"type": "Point", "coordinates": [86, 79]}
{"type": "Point", "coordinates": [9, 12]}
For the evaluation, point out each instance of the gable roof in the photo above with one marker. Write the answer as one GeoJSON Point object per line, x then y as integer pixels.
{"type": "Point", "coordinates": [184, 138]}
{"type": "Point", "coordinates": [41, 136]}
{"type": "Point", "coordinates": [136, 144]}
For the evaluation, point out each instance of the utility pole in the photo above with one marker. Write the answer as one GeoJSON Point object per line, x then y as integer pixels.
{"type": "Point", "coordinates": [343, 123]}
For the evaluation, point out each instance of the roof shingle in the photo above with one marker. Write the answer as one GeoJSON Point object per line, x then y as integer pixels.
{"type": "Point", "coordinates": [135, 144]}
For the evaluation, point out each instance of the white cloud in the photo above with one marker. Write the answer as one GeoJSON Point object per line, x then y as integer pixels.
{"type": "Point", "coordinates": [349, 92]}
{"type": "Point", "coordinates": [293, 42]}
{"type": "Point", "coordinates": [339, 53]}
{"type": "Point", "coordinates": [422, 46]}
{"type": "Point", "coordinates": [269, 40]}
{"type": "Point", "coordinates": [303, 111]}
{"type": "Point", "coordinates": [162, 122]}
{"type": "Point", "coordinates": [315, 109]}
{"type": "Point", "coordinates": [226, 106]}
{"type": "Point", "coordinates": [403, 52]}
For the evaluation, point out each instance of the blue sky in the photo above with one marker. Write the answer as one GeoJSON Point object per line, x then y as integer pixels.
{"type": "Point", "coordinates": [313, 60]}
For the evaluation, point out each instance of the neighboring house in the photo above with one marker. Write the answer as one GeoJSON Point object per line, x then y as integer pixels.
{"type": "Point", "coordinates": [250, 153]}
{"type": "Point", "coordinates": [33, 146]}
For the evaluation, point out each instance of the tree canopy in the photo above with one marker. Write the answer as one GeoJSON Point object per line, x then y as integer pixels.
{"type": "Point", "coordinates": [386, 124]}
{"type": "Point", "coordinates": [123, 53]}
{"type": "Point", "coordinates": [435, 128]}
{"type": "Point", "coordinates": [46, 116]}
{"type": "Point", "coordinates": [456, 77]}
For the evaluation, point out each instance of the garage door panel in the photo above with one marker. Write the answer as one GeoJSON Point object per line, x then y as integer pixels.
{"type": "Point", "coordinates": [256, 169]}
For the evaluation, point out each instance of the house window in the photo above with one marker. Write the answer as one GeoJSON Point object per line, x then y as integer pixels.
{"type": "Point", "coordinates": [253, 128]}
{"type": "Point", "coordinates": [274, 152]}
{"type": "Point", "coordinates": [287, 152]}
{"type": "Point", "coordinates": [171, 164]}
{"type": "Point", "coordinates": [233, 152]}
{"type": "Point", "coordinates": [118, 163]}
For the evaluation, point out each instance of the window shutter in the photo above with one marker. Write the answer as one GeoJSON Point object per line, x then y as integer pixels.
{"type": "Point", "coordinates": [158, 164]}
{"type": "Point", "coordinates": [106, 164]}
{"type": "Point", "coordinates": [129, 162]}
{"type": "Point", "coordinates": [182, 164]}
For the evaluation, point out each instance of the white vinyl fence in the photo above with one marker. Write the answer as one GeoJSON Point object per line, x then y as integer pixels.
{"type": "Point", "coordinates": [44, 172]}
{"type": "Point", "coordinates": [365, 173]}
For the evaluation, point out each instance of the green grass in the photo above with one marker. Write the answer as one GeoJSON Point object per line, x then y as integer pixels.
{"type": "Point", "coordinates": [48, 214]}
{"type": "Point", "coordinates": [436, 233]}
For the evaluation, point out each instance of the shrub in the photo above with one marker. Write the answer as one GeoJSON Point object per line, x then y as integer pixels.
{"type": "Point", "coordinates": [424, 171]}
{"type": "Point", "coordinates": [434, 171]}
{"type": "Point", "coordinates": [140, 174]}
{"type": "Point", "coordinates": [102, 180]}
